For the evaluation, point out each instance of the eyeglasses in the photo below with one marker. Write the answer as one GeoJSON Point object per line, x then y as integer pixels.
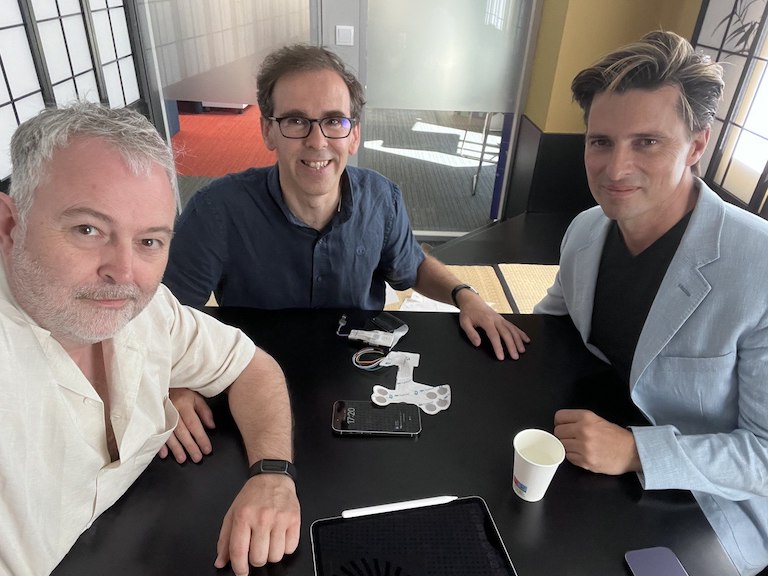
{"type": "Point", "coordinates": [297, 127]}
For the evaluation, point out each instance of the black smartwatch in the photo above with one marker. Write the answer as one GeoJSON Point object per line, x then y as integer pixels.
{"type": "Point", "coordinates": [458, 289]}
{"type": "Point", "coordinates": [268, 466]}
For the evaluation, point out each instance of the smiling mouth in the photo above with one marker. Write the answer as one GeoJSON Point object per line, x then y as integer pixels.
{"type": "Point", "coordinates": [619, 189]}
{"type": "Point", "coordinates": [111, 303]}
{"type": "Point", "coordinates": [110, 299]}
{"type": "Point", "coordinates": [316, 165]}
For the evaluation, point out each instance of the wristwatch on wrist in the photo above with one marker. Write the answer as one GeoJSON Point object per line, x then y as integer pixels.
{"type": "Point", "coordinates": [268, 466]}
{"type": "Point", "coordinates": [458, 289]}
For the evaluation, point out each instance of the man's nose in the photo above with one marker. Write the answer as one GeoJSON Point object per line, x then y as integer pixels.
{"type": "Point", "coordinates": [619, 163]}
{"type": "Point", "coordinates": [117, 263]}
{"type": "Point", "coordinates": [316, 138]}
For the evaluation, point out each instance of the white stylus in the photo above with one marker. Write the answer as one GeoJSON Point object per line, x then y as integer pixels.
{"type": "Point", "coordinates": [405, 505]}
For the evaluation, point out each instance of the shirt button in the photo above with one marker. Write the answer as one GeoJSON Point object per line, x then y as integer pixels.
{"type": "Point", "coordinates": [319, 279]}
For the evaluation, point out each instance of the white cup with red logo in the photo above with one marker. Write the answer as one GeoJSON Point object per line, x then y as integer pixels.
{"type": "Point", "coordinates": [537, 456]}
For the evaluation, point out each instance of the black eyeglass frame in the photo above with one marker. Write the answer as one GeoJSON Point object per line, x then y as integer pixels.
{"type": "Point", "coordinates": [310, 121]}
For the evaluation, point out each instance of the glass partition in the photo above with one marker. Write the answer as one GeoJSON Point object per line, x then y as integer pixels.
{"type": "Point", "coordinates": [444, 82]}
{"type": "Point", "coordinates": [207, 53]}
{"type": "Point", "coordinates": [209, 50]}
{"type": "Point", "coordinates": [455, 55]}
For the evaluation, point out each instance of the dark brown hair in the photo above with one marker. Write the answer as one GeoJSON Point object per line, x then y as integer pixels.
{"type": "Point", "coordinates": [302, 58]}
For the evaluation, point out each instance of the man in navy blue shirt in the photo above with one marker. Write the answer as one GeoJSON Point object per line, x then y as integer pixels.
{"type": "Point", "coordinates": [309, 232]}
{"type": "Point", "coordinates": [312, 232]}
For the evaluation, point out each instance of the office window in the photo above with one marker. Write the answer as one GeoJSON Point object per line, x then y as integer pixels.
{"type": "Point", "coordinates": [115, 52]}
{"type": "Point", "coordinates": [734, 32]}
{"type": "Point", "coordinates": [53, 52]}
{"type": "Point", "coordinates": [62, 32]}
{"type": "Point", "coordinates": [495, 14]}
{"type": "Point", "coordinates": [20, 92]}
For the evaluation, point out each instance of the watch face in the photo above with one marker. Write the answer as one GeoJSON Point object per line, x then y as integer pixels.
{"type": "Point", "coordinates": [267, 466]}
{"type": "Point", "coordinates": [274, 465]}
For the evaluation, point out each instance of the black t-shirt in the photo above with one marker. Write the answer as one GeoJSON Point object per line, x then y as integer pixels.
{"type": "Point", "coordinates": [626, 288]}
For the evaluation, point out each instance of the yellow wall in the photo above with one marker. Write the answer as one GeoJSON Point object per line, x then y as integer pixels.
{"type": "Point", "coordinates": [575, 33]}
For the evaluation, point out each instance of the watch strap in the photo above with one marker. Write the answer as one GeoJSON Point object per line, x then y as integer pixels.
{"type": "Point", "coordinates": [458, 288]}
{"type": "Point", "coordinates": [270, 466]}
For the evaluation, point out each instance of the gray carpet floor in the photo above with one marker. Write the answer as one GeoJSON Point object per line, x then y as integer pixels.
{"type": "Point", "coordinates": [432, 156]}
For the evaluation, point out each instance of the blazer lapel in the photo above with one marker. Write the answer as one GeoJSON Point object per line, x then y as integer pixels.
{"type": "Point", "coordinates": [684, 286]}
{"type": "Point", "coordinates": [586, 266]}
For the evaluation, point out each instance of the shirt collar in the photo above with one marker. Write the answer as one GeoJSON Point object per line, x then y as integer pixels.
{"type": "Point", "coordinates": [8, 305]}
{"type": "Point", "coordinates": [347, 203]}
{"type": "Point", "coordinates": [343, 213]}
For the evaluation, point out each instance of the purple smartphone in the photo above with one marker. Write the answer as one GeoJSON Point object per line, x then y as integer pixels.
{"type": "Point", "coordinates": [658, 561]}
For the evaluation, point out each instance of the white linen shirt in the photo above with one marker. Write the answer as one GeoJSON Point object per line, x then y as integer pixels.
{"type": "Point", "coordinates": [56, 476]}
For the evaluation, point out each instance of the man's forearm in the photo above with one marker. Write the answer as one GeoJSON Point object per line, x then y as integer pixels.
{"type": "Point", "coordinates": [260, 406]}
{"type": "Point", "coordinates": [434, 280]}
{"type": "Point", "coordinates": [264, 521]}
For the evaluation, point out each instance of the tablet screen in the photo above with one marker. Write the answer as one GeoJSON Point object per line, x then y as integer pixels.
{"type": "Point", "coordinates": [453, 539]}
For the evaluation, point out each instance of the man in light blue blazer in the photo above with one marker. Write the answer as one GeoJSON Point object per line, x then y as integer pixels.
{"type": "Point", "coordinates": [666, 282]}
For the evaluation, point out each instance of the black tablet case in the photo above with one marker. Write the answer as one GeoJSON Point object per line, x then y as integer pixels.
{"type": "Point", "coordinates": [454, 539]}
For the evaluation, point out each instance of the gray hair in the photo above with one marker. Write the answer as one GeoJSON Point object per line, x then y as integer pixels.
{"type": "Point", "coordinates": [658, 59]}
{"type": "Point", "coordinates": [35, 141]}
{"type": "Point", "coordinates": [304, 58]}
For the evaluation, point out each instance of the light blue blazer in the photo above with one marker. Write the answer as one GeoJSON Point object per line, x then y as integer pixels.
{"type": "Point", "coordinates": [700, 370]}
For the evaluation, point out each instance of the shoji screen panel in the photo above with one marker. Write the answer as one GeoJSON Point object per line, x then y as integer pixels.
{"type": "Point", "coordinates": [20, 92]}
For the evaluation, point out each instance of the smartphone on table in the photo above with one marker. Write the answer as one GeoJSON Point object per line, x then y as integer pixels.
{"type": "Point", "coordinates": [657, 561]}
{"type": "Point", "coordinates": [366, 418]}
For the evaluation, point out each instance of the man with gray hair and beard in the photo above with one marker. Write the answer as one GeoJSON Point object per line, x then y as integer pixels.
{"type": "Point", "coordinates": [92, 343]}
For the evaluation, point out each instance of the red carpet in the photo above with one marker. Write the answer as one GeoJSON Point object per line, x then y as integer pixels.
{"type": "Point", "coordinates": [217, 143]}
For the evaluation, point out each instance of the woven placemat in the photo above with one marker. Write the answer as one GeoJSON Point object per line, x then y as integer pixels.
{"type": "Point", "coordinates": [482, 278]}
{"type": "Point", "coordinates": [528, 283]}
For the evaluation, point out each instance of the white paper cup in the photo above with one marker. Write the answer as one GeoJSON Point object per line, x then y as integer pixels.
{"type": "Point", "coordinates": [537, 456]}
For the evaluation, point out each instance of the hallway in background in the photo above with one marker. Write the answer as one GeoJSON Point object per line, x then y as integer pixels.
{"type": "Point", "coordinates": [435, 159]}
{"type": "Point", "coordinates": [217, 142]}
{"type": "Point", "coordinates": [433, 156]}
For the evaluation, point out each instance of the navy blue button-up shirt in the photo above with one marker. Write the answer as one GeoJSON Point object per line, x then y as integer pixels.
{"type": "Point", "coordinates": [237, 239]}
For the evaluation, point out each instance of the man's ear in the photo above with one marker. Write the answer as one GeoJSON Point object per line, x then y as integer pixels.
{"type": "Point", "coordinates": [699, 143]}
{"type": "Point", "coordinates": [354, 139]}
{"type": "Point", "coordinates": [9, 219]}
{"type": "Point", "coordinates": [266, 133]}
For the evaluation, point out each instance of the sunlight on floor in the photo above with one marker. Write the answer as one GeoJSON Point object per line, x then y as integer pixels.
{"type": "Point", "coordinates": [467, 152]}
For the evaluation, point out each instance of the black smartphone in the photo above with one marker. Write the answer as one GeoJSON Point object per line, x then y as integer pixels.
{"type": "Point", "coordinates": [657, 561]}
{"type": "Point", "coordinates": [387, 322]}
{"type": "Point", "coordinates": [365, 417]}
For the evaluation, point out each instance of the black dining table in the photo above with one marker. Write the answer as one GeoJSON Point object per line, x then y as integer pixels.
{"type": "Point", "coordinates": [168, 522]}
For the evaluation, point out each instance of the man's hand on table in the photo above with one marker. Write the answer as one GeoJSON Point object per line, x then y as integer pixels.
{"type": "Point", "coordinates": [475, 313]}
{"type": "Point", "coordinates": [261, 526]}
{"type": "Point", "coordinates": [595, 444]}
{"type": "Point", "coordinates": [189, 436]}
